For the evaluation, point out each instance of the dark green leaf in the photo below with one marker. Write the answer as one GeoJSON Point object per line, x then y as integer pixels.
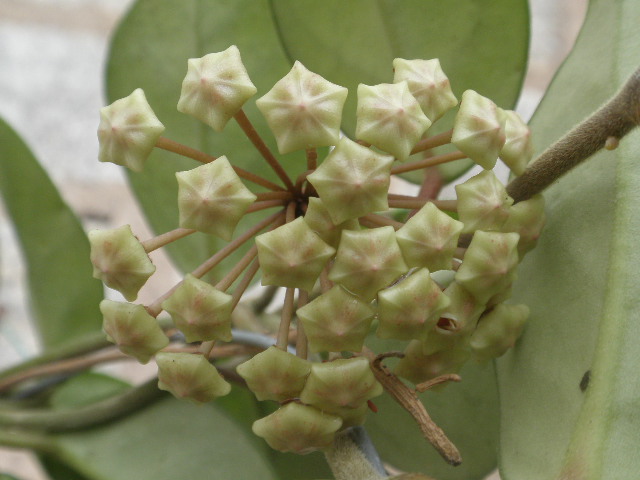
{"type": "Point", "coordinates": [467, 412]}
{"type": "Point", "coordinates": [150, 50]}
{"type": "Point", "coordinates": [581, 284]}
{"type": "Point", "coordinates": [64, 296]}
{"type": "Point", "coordinates": [480, 47]}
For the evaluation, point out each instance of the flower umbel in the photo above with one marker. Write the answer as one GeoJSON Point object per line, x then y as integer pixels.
{"type": "Point", "coordinates": [350, 253]}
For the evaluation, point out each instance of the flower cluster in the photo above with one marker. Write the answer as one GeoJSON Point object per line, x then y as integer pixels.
{"type": "Point", "coordinates": [438, 279]}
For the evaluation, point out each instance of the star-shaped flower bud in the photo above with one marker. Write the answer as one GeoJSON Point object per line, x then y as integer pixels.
{"type": "Point", "coordinates": [427, 83]}
{"type": "Point", "coordinates": [498, 331]}
{"type": "Point", "coordinates": [292, 255]}
{"type": "Point", "coordinates": [339, 384]}
{"type": "Point", "coordinates": [215, 88]}
{"type": "Point", "coordinates": [200, 311]}
{"type": "Point", "coordinates": [119, 260]}
{"type": "Point", "coordinates": [459, 318]}
{"type": "Point", "coordinates": [128, 131]}
{"type": "Point", "coordinates": [390, 118]}
{"type": "Point", "coordinates": [212, 198]}
{"type": "Point", "coordinates": [517, 149]}
{"type": "Point", "coordinates": [336, 321]}
{"type": "Point", "coordinates": [298, 428]}
{"type": "Point", "coordinates": [489, 265]}
{"type": "Point", "coordinates": [429, 238]}
{"type": "Point", "coordinates": [478, 130]}
{"type": "Point", "coordinates": [132, 329]}
{"type": "Point", "coordinates": [352, 417]}
{"type": "Point", "coordinates": [483, 203]}
{"type": "Point", "coordinates": [190, 376]}
{"type": "Point", "coordinates": [526, 218]}
{"type": "Point", "coordinates": [275, 374]}
{"type": "Point", "coordinates": [319, 220]}
{"type": "Point", "coordinates": [417, 367]}
{"type": "Point", "coordinates": [410, 308]}
{"type": "Point", "coordinates": [303, 110]}
{"type": "Point", "coordinates": [352, 181]}
{"type": "Point", "coordinates": [367, 261]}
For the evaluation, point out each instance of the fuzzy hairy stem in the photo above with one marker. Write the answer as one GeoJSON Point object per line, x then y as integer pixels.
{"type": "Point", "coordinates": [603, 128]}
{"type": "Point", "coordinates": [350, 459]}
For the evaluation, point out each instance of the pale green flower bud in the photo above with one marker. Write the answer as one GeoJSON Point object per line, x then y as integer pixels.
{"type": "Point", "coordinates": [128, 131]}
{"type": "Point", "coordinates": [367, 261]}
{"type": "Point", "coordinates": [339, 384]}
{"type": "Point", "coordinates": [336, 321]}
{"type": "Point", "coordinates": [319, 220]}
{"type": "Point", "coordinates": [215, 88]}
{"type": "Point", "coordinates": [478, 130]}
{"type": "Point", "coordinates": [190, 376]}
{"type": "Point", "coordinates": [410, 308]}
{"type": "Point", "coordinates": [483, 203]}
{"type": "Point", "coordinates": [298, 428]}
{"type": "Point", "coordinates": [353, 181]}
{"type": "Point", "coordinates": [498, 331]}
{"type": "Point", "coordinates": [418, 367]}
{"type": "Point", "coordinates": [132, 329]}
{"type": "Point", "coordinates": [120, 261]}
{"type": "Point", "coordinates": [212, 198]}
{"type": "Point", "coordinates": [463, 310]}
{"type": "Point", "coordinates": [200, 311]}
{"type": "Point", "coordinates": [352, 417]}
{"type": "Point", "coordinates": [275, 374]}
{"type": "Point", "coordinates": [429, 238]}
{"type": "Point", "coordinates": [489, 265]}
{"type": "Point", "coordinates": [303, 110]}
{"type": "Point", "coordinates": [518, 149]}
{"type": "Point", "coordinates": [526, 218]}
{"type": "Point", "coordinates": [390, 118]}
{"type": "Point", "coordinates": [427, 83]}
{"type": "Point", "coordinates": [292, 255]}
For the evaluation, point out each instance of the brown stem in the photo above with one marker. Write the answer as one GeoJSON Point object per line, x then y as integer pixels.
{"type": "Point", "coordinates": [312, 158]}
{"type": "Point", "coordinates": [609, 123]}
{"type": "Point", "coordinates": [302, 344]}
{"type": "Point", "coordinates": [379, 220]}
{"type": "Point", "coordinates": [165, 238]}
{"type": "Point", "coordinates": [409, 400]}
{"type": "Point", "coordinates": [276, 219]}
{"type": "Point", "coordinates": [233, 274]}
{"type": "Point", "coordinates": [257, 141]}
{"type": "Point", "coordinates": [285, 319]}
{"type": "Point", "coordinates": [284, 195]}
{"type": "Point", "coordinates": [406, 201]}
{"type": "Point", "coordinates": [257, 206]}
{"type": "Point", "coordinates": [245, 282]}
{"type": "Point", "coordinates": [110, 354]}
{"type": "Point", "coordinates": [175, 147]}
{"type": "Point", "coordinates": [432, 142]}
{"type": "Point", "coordinates": [427, 162]}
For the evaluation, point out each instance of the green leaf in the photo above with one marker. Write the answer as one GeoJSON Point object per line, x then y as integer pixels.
{"type": "Point", "coordinates": [169, 439]}
{"type": "Point", "coordinates": [480, 47]}
{"type": "Point", "coordinates": [85, 389]}
{"type": "Point", "coordinates": [64, 297]}
{"type": "Point", "coordinates": [468, 412]}
{"type": "Point", "coordinates": [581, 283]}
{"type": "Point", "coordinates": [150, 50]}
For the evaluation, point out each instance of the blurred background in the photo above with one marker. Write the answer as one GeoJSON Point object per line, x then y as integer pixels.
{"type": "Point", "coordinates": [52, 56]}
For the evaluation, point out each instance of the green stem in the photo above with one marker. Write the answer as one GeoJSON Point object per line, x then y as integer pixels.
{"type": "Point", "coordinates": [78, 346]}
{"type": "Point", "coordinates": [79, 418]}
{"type": "Point", "coordinates": [15, 438]}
